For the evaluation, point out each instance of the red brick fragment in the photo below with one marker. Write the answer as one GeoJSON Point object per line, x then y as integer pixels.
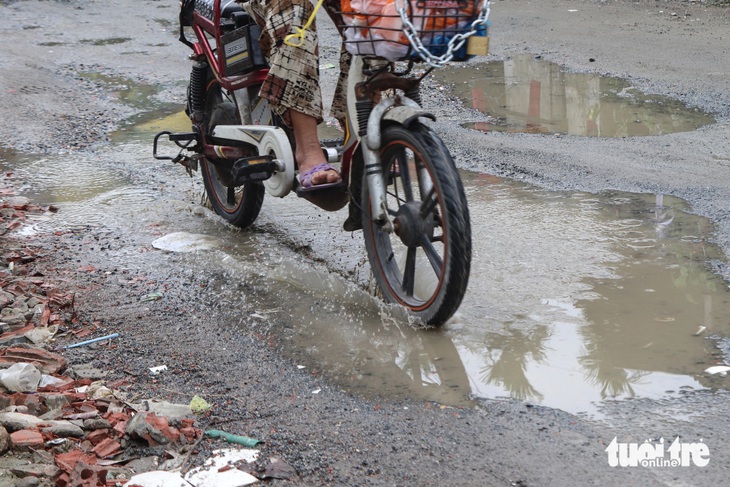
{"type": "Point", "coordinates": [189, 433]}
{"type": "Point", "coordinates": [82, 333]}
{"type": "Point", "coordinates": [23, 439]}
{"type": "Point", "coordinates": [97, 436]}
{"type": "Point", "coordinates": [163, 426]}
{"type": "Point", "coordinates": [115, 417]}
{"type": "Point", "coordinates": [88, 475]}
{"type": "Point", "coordinates": [7, 336]}
{"type": "Point", "coordinates": [67, 461]}
{"type": "Point", "coordinates": [107, 448]}
{"type": "Point", "coordinates": [120, 427]}
{"type": "Point", "coordinates": [63, 480]}
{"type": "Point", "coordinates": [48, 362]}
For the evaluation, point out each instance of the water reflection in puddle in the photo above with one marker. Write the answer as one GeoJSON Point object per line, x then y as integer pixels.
{"type": "Point", "coordinates": [574, 299]}
{"type": "Point", "coordinates": [524, 94]}
{"type": "Point", "coordinates": [590, 297]}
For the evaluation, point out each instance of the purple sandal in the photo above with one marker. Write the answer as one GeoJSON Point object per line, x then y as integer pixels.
{"type": "Point", "coordinates": [305, 179]}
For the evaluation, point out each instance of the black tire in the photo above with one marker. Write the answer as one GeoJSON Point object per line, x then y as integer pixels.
{"type": "Point", "coordinates": [425, 264]}
{"type": "Point", "coordinates": [239, 206]}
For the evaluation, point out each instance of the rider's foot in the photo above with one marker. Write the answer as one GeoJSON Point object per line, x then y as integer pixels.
{"type": "Point", "coordinates": [321, 175]}
{"type": "Point", "coordinates": [313, 169]}
{"type": "Point", "coordinates": [309, 153]}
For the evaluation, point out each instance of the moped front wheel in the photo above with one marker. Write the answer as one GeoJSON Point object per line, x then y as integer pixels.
{"type": "Point", "coordinates": [424, 263]}
{"type": "Point", "coordinates": [238, 205]}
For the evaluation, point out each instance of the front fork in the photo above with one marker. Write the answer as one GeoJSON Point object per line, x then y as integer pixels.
{"type": "Point", "coordinates": [399, 109]}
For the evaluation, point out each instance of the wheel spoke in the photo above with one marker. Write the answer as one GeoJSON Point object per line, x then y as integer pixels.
{"type": "Point", "coordinates": [231, 197]}
{"type": "Point", "coordinates": [433, 257]}
{"type": "Point", "coordinates": [404, 175]}
{"type": "Point", "coordinates": [429, 203]}
{"type": "Point", "coordinates": [409, 273]}
{"type": "Point", "coordinates": [398, 199]}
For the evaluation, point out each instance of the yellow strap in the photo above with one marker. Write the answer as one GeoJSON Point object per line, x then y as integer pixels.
{"type": "Point", "coordinates": [301, 32]}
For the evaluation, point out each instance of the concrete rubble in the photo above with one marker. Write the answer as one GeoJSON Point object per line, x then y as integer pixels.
{"type": "Point", "coordinates": [59, 424]}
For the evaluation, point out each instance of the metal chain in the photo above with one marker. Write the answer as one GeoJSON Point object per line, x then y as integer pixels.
{"type": "Point", "coordinates": [455, 42]}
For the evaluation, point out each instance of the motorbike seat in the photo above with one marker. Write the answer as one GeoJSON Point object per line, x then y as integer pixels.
{"type": "Point", "coordinates": [228, 8]}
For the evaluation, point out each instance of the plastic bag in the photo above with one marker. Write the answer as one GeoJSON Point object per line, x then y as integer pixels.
{"type": "Point", "coordinates": [375, 28]}
{"type": "Point", "coordinates": [21, 377]}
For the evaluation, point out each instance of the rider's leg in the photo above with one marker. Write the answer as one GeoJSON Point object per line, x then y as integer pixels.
{"type": "Point", "coordinates": [292, 85]}
{"type": "Point", "coordinates": [309, 151]}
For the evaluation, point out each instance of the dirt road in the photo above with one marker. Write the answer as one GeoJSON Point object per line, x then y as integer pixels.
{"type": "Point", "coordinates": [67, 68]}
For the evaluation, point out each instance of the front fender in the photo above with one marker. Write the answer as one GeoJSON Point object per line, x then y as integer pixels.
{"type": "Point", "coordinates": [406, 115]}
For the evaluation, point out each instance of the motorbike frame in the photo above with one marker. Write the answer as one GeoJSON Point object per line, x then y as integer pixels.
{"type": "Point", "coordinates": [361, 133]}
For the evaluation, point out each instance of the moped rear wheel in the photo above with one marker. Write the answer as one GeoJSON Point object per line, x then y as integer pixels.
{"type": "Point", "coordinates": [238, 205]}
{"type": "Point", "coordinates": [424, 264]}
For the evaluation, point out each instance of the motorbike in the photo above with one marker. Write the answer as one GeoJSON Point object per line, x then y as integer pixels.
{"type": "Point", "coordinates": [398, 179]}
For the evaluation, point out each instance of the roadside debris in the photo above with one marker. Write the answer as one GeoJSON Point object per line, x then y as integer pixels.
{"type": "Point", "coordinates": [199, 405]}
{"type": "Point", "coordinates": [158, 370]}
{"type": "Point", "coordinates": [152, 297]}
{"type": "Point", "coordinates": [66, 425]}
{"type": "Point", "coordinates": [93, 340]}
{"type": "Point", "coordinates": [718, 369]}
{"type": "Point", "coordinates": [231, 438]}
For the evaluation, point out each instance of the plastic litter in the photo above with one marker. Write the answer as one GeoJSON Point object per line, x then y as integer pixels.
{"type": "Point", "coordinates": [198, 404]}
{"type": "Point", "coordinates": [49, 380]}
{"type": "Point", "coordinates": [93, 340]}
{"type": "Point", "coordinates": [152, 297]}
{"type": "Point", "coordinates": [41, 334]}
{"type": "Point", "coordinates": [217, 471]}
{"type": "Point", "coordinates": [157, 370]}
{"type": "Point", "coordinates": [231, 438]}
{"type": "Point", "coordinates": [717, 369]}
{"type": "Point", "coordinates": [21, 377]}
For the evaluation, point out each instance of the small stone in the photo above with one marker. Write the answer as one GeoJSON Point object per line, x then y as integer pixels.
{"type": "Point", "coordinates": [27, 482]}
{"type": "Point", "coordinates": [96, 424]}
{"type": "Point", "coordinates": [64, 429]}
{"type": "Point", "coordinates": [38, 471]}
{"type": "Point", "coordinates": [56, 401]}
{"type": "Point", "coordinates": [18, 421]}
{"type": "Point", "coordinates": [146, 464]}
{"type": "Point", "coordinates": [17, 202]}
{"type": "Point", "coordinates": [12, 316]}
{"type": "Point", "coordinates": [4, 440]}
{"type": "Point", "coordinates": [87, 371]}
{"type": "Point", "coordinates": [5, 299]}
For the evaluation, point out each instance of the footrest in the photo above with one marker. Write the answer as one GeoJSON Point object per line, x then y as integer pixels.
{"type": "Point", "coordinates": [182, 140]}
{"type": "Point", "coordinates": [253, 169]}
{"type": "Point", "coordinates": [183, 137]}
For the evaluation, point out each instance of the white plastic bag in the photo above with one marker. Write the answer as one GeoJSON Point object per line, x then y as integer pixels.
{"type": "Point", "coordinates": [21, 377]}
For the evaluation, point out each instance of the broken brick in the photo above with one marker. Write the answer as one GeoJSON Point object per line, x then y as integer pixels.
{"type": "Point", "coordinates": [88, 475]}
{"type": "Point", "coordinates": [26, 439]}
{"type": "Point", "coordinates": [67, 461]}
{"type": "Point", "coordinates": [97, 436]}
{"type": "Point", "coordinates": [63, 480]}
{"type": "Point", "coordinates": [163, 426]}
{"type": "Point", "coordinates": [48, 362]}
{"type": "Point", "coordinates": [11, 336]}
{"type": "Point", "coordinates": [107, 448]}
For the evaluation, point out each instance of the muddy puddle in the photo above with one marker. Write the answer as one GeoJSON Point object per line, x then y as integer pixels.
{"type": "Point", "coordinates": [525, 94]}
{"type": "Point", "coordinates": [574, 298]}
